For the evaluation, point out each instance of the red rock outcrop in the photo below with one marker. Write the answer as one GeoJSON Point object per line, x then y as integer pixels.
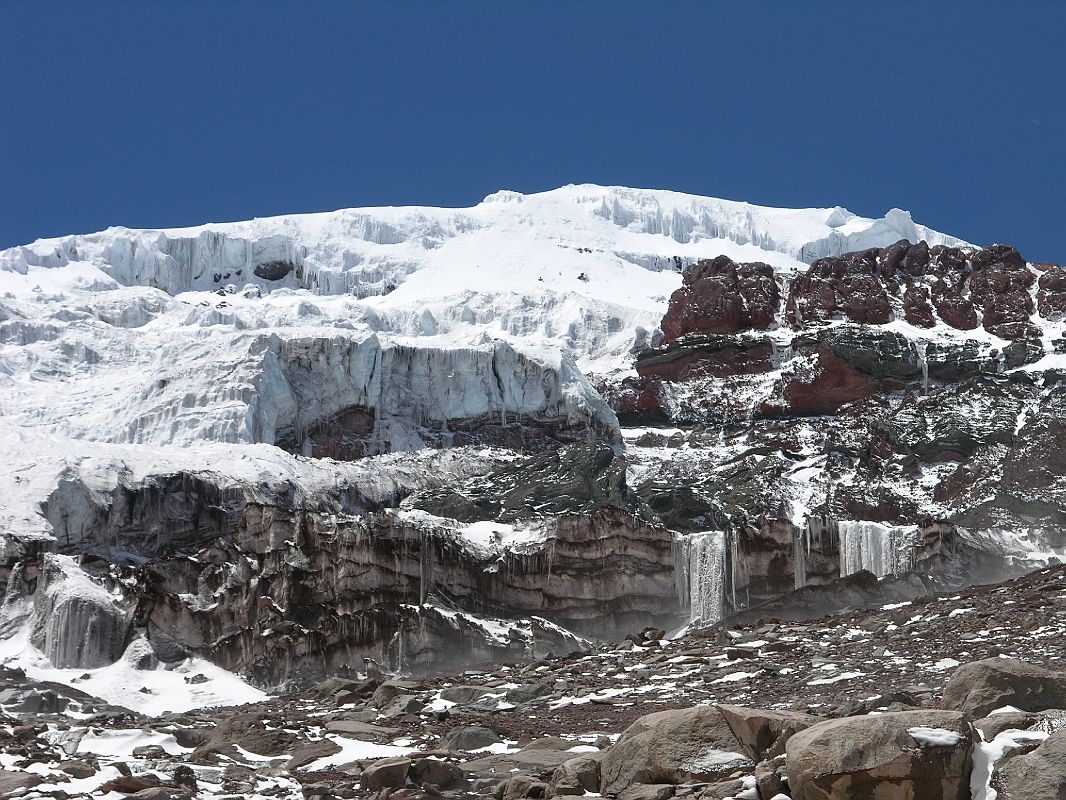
{"type": "Point", "coordinates": [821, 388]}
{"type": "Point", "coordinates": [833, 288]}
{"type": "Point", "coordinates": [721, 296]}
{"type": "Point", "coordinates": [1051, 294]}
{"type": "Point", "coordinates": [965, 289]}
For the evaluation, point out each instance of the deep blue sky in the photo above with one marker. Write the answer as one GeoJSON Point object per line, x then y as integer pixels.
{"type": "Point", "coordinates": [147, 114]}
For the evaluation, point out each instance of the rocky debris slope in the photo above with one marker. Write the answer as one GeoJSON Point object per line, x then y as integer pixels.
{"type": "Point", "coordinates": [763, 710]}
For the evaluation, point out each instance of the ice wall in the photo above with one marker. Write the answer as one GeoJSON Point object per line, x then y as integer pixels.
{"type": "Point", "coordinates": [700, 574]}
{"type": "Point", "coordinates": [881, 549]}
{"type": "Point", "coordinates": [75, 622]}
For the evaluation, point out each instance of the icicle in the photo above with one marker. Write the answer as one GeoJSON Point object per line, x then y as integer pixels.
{"type": "Point", "coordinates": [699, 575]}
{"type": "Point", "coordinates": [881, 549]}
{"type": "Point", "coordinates": [800, 548]}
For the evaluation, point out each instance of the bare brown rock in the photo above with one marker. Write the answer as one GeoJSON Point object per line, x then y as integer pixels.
{"type": "Point", "coordinates": [721, 296]}
{"type": "Point", "coordinates": [983, 686]}
{"type": "Point", "coordinates": [894, 756]}
{"type": "Point", "coordinates": [673, 747]}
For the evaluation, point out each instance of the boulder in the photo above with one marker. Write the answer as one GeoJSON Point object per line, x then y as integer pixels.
{"type": "Point", "coordinates": [519, 786]}
{"type": "Point", "coordinates": [386, 773]}
{"type": "Point", "coordinates": [763, 733]}
{"type": "Point", "coordinates": [770, 777]}
{"type": "Point", "coordinates": [76, 768]}
{"type": "Point", "coordinates": [468, 738]}
{"type": "Point", "coordinates": [356, 729]}
{"type": "Point", "coordinates": [1039, 775]}
{"type": "Point", "coordinates": [391, 689]}
{"type": "Point", "coordinates": [647, 791]}
{"type": "Point", "coordinates": [527, 691]}
{"type": "Point", "coordinates": [578, 775]}
{"type": "Point", "coordinates": [549, 743]}
{"type": "Point", "coordinates": [993, 725]}
{"type": "Point", "coordinates": [12, 782]}
{"type": "Point", "coordinates": [536, 761]}
{"type": "Point", "coordinates": [129, 784]}
{"type": "Point", "coordinates": [162, 793]}
{"type": "Point", "coordinates": [981, 687]}
{"type": "Point", "coordinates": [692, 744]}
{"type": "Point", "coordinates": [464, 694]}
{"type": "Point", "coordinates": [441, 774]}
{"type": "Point", "coordinates": [895, 756]}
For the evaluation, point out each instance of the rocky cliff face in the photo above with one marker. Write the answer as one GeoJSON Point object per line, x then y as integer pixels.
{"type": "Point", "coordinates": [894, 403]}
{"type": "Point", "coordinates": [274, 584]}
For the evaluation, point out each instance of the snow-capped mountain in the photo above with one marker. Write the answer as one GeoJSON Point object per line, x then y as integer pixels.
{"type": "Point", "coordinates": [257, 332]}
{"type": "Point", "coordinates": [244, 457]}
{"type": "Point", "coordinates": [579, 411]}
{"type": "Point", "coordinates": [585, 268]}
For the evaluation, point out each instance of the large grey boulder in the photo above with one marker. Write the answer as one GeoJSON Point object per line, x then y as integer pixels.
{"type": "Point", "coordinates": [464, 695]}
{"type": "Point", "coordinates": [390, 773]}
{"type": "Point", "coordinates": [539, 762]}
{"type": "Point", "coordinates": [1039, 775]}
{"type": "Point", "coordinates": [983, 686]}
{"type": "Point", "coordinates": [467, 738]}
{"type": "Point", "coordinates": [692, 744]}
{"type": "Point", "coordinates": [907, 755]}
{"type": "Point", "coordinates": [578, 775]}
{"type": "Point", "coordinates": [762, 732]}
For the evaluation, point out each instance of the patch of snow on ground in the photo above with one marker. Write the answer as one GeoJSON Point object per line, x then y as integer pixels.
{"type": "Point", "coordinates": [120, 683]}
{"type": "Point", "coordinates": [355, 750]}
{"type": "Point", "coordinates": [987, 754]}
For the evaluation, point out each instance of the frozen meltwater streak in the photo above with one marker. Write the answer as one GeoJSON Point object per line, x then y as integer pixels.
{"type": "Point", "coordinates": [700, 575]}
{"type": "Point", "coordinates": [780, 353]}
{"type": "Point", "coordinates": [881, 549]}
{"type": "Point", "coordinates": [801, 542]}
{"type": "Point", "coordinates": [921, 349]}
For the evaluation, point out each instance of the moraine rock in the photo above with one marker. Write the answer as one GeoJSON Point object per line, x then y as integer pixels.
{"type": "Point", "coordinates": [1039, 775]}
{"type": "Point", "coordinates": [385, 773]}
{"type": "Point", "coordinates": [983, 686]}
{"type": "Point", "coordinates": [694, 744]}
{"type": "Point", "coordinates": [467, 738]}
{"type": "Point", "coordinates": [763, 732]}
{"type": "Point", "coordinates": [895, 756]}
{"type": "Point", "coordinates": [578, 775]}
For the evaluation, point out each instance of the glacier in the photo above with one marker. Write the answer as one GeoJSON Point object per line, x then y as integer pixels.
{"type": "Point", "coordinates": [405, 323]}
